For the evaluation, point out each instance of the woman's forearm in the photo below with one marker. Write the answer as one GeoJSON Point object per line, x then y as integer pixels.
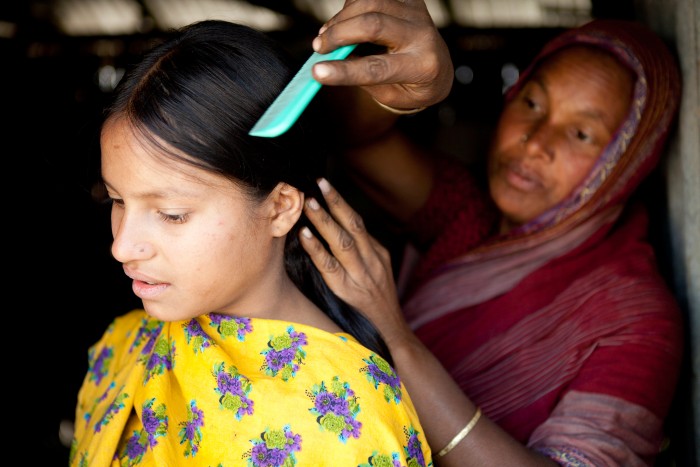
{"type": "Point", "coordinates": [358, 269]}
{"type": "Point", "coordinates": [444, 410]}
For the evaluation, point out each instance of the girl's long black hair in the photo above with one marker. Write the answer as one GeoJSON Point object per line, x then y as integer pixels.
{"type": "Point", "coordinates": [196, 95]}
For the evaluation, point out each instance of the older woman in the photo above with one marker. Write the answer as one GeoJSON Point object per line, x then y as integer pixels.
{"type": "Point", "coordinates": [533, 327]}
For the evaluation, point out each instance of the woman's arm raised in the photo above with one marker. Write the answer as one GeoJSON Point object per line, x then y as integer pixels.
{"type": "Point", "coordinates": [412, 69]}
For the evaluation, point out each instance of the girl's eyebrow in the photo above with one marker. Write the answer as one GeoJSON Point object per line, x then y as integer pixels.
{"type": "Point", "coordinates": [175, 192]}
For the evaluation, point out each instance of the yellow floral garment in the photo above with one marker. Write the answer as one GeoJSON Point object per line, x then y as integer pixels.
{"type": "Point", "coordinates": [225, 391]}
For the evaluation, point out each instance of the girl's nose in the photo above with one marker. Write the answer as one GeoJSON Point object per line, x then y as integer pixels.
{"type": "Point", "coordinates": [130, 242]}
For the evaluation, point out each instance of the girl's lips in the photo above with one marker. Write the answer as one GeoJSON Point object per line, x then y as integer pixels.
{"type": "Point", "coordinates": [143, 286]}
{"type": "Point", "coordinates": [146, 290]}
{"type": "Point", "coordinates": [137, 276]}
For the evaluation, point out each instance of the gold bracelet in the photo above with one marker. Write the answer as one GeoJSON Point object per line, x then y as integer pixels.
{"type": "Point", "coordinates": [462, 434]}
{"type": "Point", "coordinates": [399, 111]}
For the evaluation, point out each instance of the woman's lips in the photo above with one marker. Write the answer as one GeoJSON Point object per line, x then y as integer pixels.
{"type": "Point", "coordinates": [521, 178]}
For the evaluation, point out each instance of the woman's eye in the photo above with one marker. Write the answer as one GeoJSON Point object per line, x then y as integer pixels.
{"type": "Point", "coordinates": [532, 104]}
{"type": "Point", "coordinates": [583, 136]}
{"type": "Point", "coordinates": [174, 218]}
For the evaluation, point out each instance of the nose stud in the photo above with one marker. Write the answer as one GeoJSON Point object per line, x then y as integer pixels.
{"type": "Point", "coordinates": [524, 138]}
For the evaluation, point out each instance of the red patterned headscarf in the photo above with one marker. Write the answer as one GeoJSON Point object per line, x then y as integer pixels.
{"type": "Point", "coordinates": [636, 147]}
{"type": "Point", "coordinates": [633, 152]}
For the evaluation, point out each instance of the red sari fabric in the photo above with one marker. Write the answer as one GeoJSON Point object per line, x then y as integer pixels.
{"type": "Point", "coordinates": [576, 351]}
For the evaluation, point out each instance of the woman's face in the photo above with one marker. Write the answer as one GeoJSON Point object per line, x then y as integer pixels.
{"type": "Point", "coordinates": [191, 240]}
{"type": "Point", "coordinates": [550, 135]}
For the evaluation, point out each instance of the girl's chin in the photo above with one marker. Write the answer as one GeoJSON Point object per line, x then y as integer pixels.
{"type": "Point", "coordinates": [164, 313]}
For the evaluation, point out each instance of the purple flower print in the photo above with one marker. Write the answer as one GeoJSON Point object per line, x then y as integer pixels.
{"type": "Point", "coordinates": [113, 409]}
{"type": "Point", "coordinates": [149, 331]}
{"type": "Point", "coordinates": [226, 382]}
{"type": "Point", "coordinates": [196, 337]}
{"type": "Point", "coordinates": [351, 429]}
{"type": "Point", "coordinates": [134, 449]}
{"type": "Point", "coordinates": [413, 449]}
{"type": "Point", "coordinates": [191, 430]}
{"type": "Point", "coordinates": [383, 460]}
{"type": "Point", "coordinates": [378, 371]}
{"type": "Point", "coordinates": [155, 424]}
{"type": "Point", "coordinates": [160, 359]}
{"type": "Point", "coordinates": [412, 452]}
{"type": "Point", "coordinates": [336, 409]}
{"type": "Point", "coordinates": [324, 402]}
{"type": "Point", "coordinates": [99, 367]}
{"type": "Point", "coordinates": [328, 402]}
{"type": "Point", "coordinates": [233, 389]}
{"type": "Point", "coordinates": [275, 448]}
{"type": "Point", "coordinates": [264, 456]}
{"type": "Point", "coordinates": [276, 360]}
{"type": "Point", "coordinates": [285, 354]}
{"type": "Point", "coordinates": [230, 326]}
{"type": "Point", "coordinates": [88, 413]}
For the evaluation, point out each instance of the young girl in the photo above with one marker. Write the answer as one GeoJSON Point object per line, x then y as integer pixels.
{"type": "Point", "coordinates": [241, 355]}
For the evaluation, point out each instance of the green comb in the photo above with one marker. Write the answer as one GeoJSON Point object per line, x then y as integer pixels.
{"type": "Point", "coordinates": [288, 106]}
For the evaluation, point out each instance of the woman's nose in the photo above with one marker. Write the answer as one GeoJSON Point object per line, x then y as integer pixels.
{"type": "Point", "coordinates": [538, 141]}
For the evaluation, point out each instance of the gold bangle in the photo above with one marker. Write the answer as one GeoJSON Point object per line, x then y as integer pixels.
{"type": "Point", "coordinates": [462, 434]}
{"type": "Point", "coordinates": [399, 111]}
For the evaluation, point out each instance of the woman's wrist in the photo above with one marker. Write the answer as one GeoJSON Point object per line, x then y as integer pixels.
{"type": "Point", "coordinates": [403, 344]}
{"type": "Point", "coordinates": [461, 435]}
{"type": "Point", "coordinates": [396, 111]}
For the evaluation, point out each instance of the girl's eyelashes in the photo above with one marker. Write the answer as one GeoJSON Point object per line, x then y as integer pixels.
{"type": "Point", "coordinates": [173, 218]}
{"type": "Point", "coordinates": [98, 193]}
{"type": "Point", "coordinates": [169, 218]}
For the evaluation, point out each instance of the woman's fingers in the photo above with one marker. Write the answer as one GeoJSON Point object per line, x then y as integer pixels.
{"type": "Point", "coordinates": [385, 22]}
{"type": "Point", "coordinates": [367, 260]}
{"type": "Point", "coordinates": [416, 69]}
{"type": "Point", "coordinates": [339, 273]}
{"type": "Point", "coordinates": [358, 267]}
{"type": "Point", "coordinates": [354, 241]}
{"type": "Point", "coordinates": [329, 267]}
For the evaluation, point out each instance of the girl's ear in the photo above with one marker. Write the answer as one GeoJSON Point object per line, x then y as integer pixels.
{"type": "Point", "coordinates": [286, 205]}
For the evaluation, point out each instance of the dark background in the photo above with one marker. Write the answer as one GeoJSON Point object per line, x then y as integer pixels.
{"type": "Point", "coordinates": [64, 287]}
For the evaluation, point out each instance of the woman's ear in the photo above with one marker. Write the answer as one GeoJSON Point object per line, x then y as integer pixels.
{"type": "Point", "coordinates": [286, 205]}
